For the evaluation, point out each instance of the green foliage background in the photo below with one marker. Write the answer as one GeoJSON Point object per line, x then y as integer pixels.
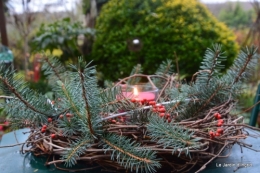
{"type": "Point", "coordinates": [61, 35]}
{"type": "Point", "coordinates": [236, 17]}
{"type": "Point", "coordinates": [165, 27]}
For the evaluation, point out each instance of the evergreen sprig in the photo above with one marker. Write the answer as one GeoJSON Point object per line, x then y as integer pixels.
{"type": "Point", "coordinates": [242, 66]}
{"type": "Point", "coordinates": [53, 69]}
{"type": "Point", "coordinates": [69, 127]}
{"type": "Point", "coordinates": [114, 101]}
{"type": "Point", "coordinates": [176, 137]}
{"type": "Point", "coordinates": [211, 86]}
{"type": "Point", "coordinates": [129, 154]}
{"type": "Point", "coordinates": [211, 64]}
{"type": "Point", "coordinates": [27, 107]}
{"type": "Point", "coordinates": [77, 148]}
{"type": "Point", "coordinates": [165, 68]}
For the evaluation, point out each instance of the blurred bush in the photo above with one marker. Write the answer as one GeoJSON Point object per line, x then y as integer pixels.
{"type": "Point", "coordinates": [236, 17]}
{"type": "Point", "coordinates": [150, 31]}
{"type": "Point", "coordinates": [64, 35]}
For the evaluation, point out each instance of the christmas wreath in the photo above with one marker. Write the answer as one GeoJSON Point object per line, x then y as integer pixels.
{"type": "Point", "coordinates": [181, 126]}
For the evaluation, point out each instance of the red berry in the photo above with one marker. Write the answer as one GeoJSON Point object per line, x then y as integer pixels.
{"type": "Point", "coordinates": [161, 106]}
{"type": "Point", "coordinates": [1, 128]}
{"type": "Point", "coordinates": [217, 134]}
{"type": "Point", "coordinates": [61, 116]}
{"type": "Point", "coordinates": [162, 110]}
{"type": "Point", "coordinates": [69, 115]}
{"type": "Point", "coordinates": [43, 130]}
{"type": "Point", "coordinates": [133, 100]}
{"type": "Point", "coordinates": [161, 115]}
{"type": "Point", "coordinates": [211, 133]}
{"type": "Point", "coordinates": [113, 121]}
{"type": "Point", "coordinates": [169, 120]}
{"type": "Point", "coordinates": [219, 124]}
{"type": "Point", "coordinates": [168, 115]}
{"type": "Point", "coordinates": [220, 130]}
{"type": "Point", "coordinates": [221, 121]}
{"type": "Point", "coordinates": [139, 100]}
{"type": "Point", "coordinates": [53, 135]}
{"type": "Point", "coordinates": [152, 103]}
{"type": "Point", "coordinates": [49, 120]}
{"type": "Point", "coordinates": [44, 127]}
{"type": "Point", "coordinates": [219, 116]}
{"type": "Point", "coordinates": [216, 115]}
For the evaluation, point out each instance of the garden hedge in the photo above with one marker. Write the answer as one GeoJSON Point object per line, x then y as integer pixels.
{"type": "Point", "coordinates": [165, 28]}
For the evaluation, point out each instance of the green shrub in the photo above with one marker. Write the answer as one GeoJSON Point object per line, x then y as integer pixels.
{"type": "Point", "coordinates": [62, 35]}
{"type": "Point", "coordinates": [236, 17]}
{"type": "Point", "coordinates": [164, 27]}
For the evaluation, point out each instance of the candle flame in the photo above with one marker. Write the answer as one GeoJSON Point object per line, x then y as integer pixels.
{"type": "Point", "coordinates": [135, 92]}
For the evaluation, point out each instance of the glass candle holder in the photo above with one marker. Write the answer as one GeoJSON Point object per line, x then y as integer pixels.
{"type": "Point", "coordinates": [140, 92]}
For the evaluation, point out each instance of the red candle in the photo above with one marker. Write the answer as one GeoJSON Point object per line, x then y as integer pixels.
{"type": "Point", "coordinates": [139, 96]}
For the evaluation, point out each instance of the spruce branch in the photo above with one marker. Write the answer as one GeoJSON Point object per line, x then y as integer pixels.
{"type": "Point", "coordinates": [211, 70]}
{"type": "Point", "coordinates": [247, 55]}
{"type": "Point", "coordinates": [209, 100]}
{"type": "Point", "coordinates": [177, 137]}
{"type": "Point", "coordinates": [20, 97]}
{"type": "Point", "coordinates": [211, 65]}
{"type": "Point", "coordinates": [129, 154]}
{"type": "Point", "coordinates": [69, 126]}
{"type": "Point", "coordinates": [67, 94]}
{"type": "Point", "coordinates": [242, 66]}
{"type": "Point", "coordinates": [54, 70]}
{"type": "Point", "coordinates": [52, 67]}
{"type": "Point", "coordinates": [77, 149]}
{"type": "Point", "coordinates": [84, 95]}
{"type": "Point", "coordinates": [165, 68]}
{"type": "Point", "coordinates": [113, 100]}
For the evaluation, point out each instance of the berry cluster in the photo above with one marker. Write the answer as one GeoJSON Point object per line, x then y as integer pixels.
{"type": "Point", "coordinates": [212, 134]}
{"type": "Point", "coordinates": [220, 122]}
{"type": "Point", "coordinates": [44, 128]}
{"type": "Point", "coordinates": [141, 101]}
{"type": "Point", "coordinates": [160, 109]}
{"type": "Point", "coordinates": [219, 118]}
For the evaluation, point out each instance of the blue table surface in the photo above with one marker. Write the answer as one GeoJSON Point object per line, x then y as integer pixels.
{"type": "Point", "coordinates": [12, 161]}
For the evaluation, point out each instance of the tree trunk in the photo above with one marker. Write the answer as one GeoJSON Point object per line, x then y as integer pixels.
{"type": "Point", "coordinates": [4, 39]}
